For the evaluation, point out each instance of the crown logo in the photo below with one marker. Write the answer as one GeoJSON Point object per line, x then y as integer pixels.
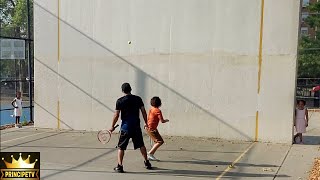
{"type": "Point", "coordinates": [20, 163]}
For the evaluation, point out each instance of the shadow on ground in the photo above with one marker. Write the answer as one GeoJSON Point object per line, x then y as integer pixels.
{"type": "Point", "coordinates": [311, 140]}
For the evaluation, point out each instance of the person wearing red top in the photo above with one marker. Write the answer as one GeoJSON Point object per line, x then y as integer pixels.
{"type": "Point", "coordinates": [316, 88]}
{"type": "Point", "coordinates": [155, 115]}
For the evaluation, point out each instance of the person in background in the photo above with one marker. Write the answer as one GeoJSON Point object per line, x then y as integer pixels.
{"type": "Point", "coordinates": [301, 120]}
{"type": "Point", "coordinates": [17, 104]}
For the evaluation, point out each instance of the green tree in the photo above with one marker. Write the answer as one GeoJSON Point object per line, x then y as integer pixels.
{"type": "Point", "coordinates": [14, 18]}
{"type": "Point", "coordinates": [309, 47]}
{"type": "Point", "coordinates": [14, 23]}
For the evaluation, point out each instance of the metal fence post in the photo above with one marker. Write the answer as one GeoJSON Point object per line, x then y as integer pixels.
{"type": "Point", "coordinates": [30, 62]}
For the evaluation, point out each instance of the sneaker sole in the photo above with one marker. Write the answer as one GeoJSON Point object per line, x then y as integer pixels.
{"type": "Point", "coordinates": [117, 171]}
{"type": "Point", "coordinates": [157, 160]}
{"type": "Point", "coordinates": [151, 159]}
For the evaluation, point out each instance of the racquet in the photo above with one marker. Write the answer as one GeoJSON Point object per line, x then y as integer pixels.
{"type": "Point", "coordinates": [104, 135]}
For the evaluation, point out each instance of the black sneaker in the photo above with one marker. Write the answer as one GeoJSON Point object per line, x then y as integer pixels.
{"type": "Point", "coordinates": [147, 165]}
{"type": "Point", "coordinates": [118, 169]}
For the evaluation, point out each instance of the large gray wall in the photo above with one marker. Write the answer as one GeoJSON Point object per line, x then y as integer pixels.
{"type": "Point", "coordinates": [200, 57]}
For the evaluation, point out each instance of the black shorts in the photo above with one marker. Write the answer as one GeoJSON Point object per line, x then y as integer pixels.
{"type": "Point", "coordinates": [137, 139]}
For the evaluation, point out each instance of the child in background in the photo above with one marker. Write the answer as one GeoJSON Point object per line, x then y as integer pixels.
{"type": "Point", "coordinates": [17, 104]}
{"type": "Point", "coordinates": [301, 121]}
{"type": "Point", "coordinates": [154, 117]}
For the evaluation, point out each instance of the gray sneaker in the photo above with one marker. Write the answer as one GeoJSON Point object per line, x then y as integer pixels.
{"type": "Point", "coordinates": [152, 158]}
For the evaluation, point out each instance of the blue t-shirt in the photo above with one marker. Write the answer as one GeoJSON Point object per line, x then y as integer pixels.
{"type": "Point", "coordinates": [129, 107]}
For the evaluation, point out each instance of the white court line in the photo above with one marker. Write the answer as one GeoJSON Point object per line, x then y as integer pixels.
{"type": "Point", "coordinates": [10, 130]}
{"type": "Point", "coordinates": [25, 137]}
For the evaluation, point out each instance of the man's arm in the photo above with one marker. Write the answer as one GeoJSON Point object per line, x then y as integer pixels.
{"type": "Point", "coordinates": [115, 120]}
{"type": "Point", "coordinates": [144, 114]}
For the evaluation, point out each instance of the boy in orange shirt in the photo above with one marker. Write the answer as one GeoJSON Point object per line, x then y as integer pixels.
{"type": "Point", "coordinates": [154, 117]}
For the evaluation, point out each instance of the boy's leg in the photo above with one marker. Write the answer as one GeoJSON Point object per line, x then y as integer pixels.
{"type": "Point", "coordinates": [154, 148]}
{"type": "Point", "coordinates": [18, 119]}
{"type": "Point", "coordinates": [155, 135]}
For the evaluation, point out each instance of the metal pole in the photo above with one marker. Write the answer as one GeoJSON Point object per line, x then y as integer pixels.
{"type": "Point", "coordinates": [30, 62]}
{"type": "Point", "coordinates": [15, 77]}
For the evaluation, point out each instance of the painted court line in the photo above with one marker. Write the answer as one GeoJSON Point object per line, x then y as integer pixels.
{"type": "Point", "coordinates": [25, 136]}
{"type": "Point", "coordinates": [234, 162]}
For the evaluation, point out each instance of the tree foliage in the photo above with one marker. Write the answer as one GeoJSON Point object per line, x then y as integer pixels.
{"type": "Point", "coordinates": [309, 47]}
{"type": "Point", "coordinates": [14, 18]}
{"type": "Point", "coordinates": [14, 23]}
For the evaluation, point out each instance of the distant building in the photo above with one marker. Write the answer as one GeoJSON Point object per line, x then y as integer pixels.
{"type": "Point", "coordinates": [305, 29]}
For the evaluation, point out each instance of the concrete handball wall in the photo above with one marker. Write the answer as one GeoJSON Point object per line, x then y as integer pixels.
{"type": "Point", "coordinates": [200, 57]}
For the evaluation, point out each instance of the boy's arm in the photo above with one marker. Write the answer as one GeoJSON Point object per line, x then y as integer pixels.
{"type": "Point", "coordinates": [114, 120]}
{"type": "Point", "coordinates": [144, 114]}
{"type": "Point", "coordinates": [161, 117]}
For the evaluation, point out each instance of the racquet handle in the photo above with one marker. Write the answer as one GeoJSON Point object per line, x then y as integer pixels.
{"type": "Point", "coordinates": [116, 126]}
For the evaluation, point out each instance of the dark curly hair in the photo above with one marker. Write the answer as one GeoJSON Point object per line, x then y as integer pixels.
{"type": "Point", "coordinates": [155, 102]}
{"type": "Point", "coordinates": [303, 101]}
{"type": "Point", "coordinates": [126, 88]}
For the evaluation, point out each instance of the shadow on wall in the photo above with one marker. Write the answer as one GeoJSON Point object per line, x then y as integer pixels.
{"type": "Point", "coordinates": [141, 80]}
{"type": "Point", "coordinates": [54, 116]}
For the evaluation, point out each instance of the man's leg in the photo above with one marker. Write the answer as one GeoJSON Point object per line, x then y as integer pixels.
{"type": "Point", "coordinates": [138, 143]}
{"type": "Point", "coordinates": [120, 156]}
{"type": "Point", "coordinates": [122, 145]}
{"type": "Point", "coordinates": [143, 151]}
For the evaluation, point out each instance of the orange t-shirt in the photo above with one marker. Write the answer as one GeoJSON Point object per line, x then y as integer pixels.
{"type": "Point", "coordinates": [154, 117]}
